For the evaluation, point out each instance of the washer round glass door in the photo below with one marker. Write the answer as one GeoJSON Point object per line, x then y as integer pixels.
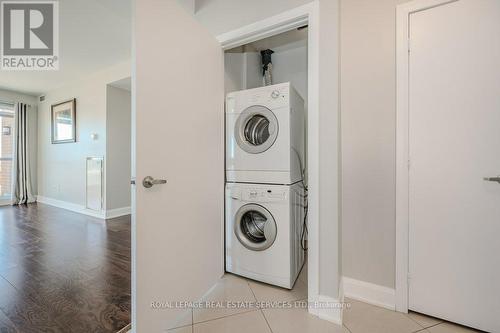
{"type": "Point", "coordinates": [255, 227]}
{"type": "Point", "coordinates": [256, 129]}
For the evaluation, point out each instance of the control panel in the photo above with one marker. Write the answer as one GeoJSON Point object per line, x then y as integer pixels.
{"type": "Point", "coordinates": [264, 195]}
{"type": "Point", "coordinates": [272, 97]}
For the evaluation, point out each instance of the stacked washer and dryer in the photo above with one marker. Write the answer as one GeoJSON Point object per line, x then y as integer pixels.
{"type": "Point", "coordinates": [265, 191]}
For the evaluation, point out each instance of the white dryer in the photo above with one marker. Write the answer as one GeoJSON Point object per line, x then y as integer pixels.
{"type": "Point", "coordinates": [263, 232]}
{"type": "Point", "coordinates": [265, 135]}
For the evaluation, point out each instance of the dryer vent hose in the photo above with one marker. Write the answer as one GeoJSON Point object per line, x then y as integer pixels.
{"type": "Point", "coordinates": [267, 66]}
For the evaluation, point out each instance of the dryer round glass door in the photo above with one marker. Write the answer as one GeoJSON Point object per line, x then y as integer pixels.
{"type": "Point", "coordinates": [256, 129]}
{"type": "Point", "coordinates": [255, 227]}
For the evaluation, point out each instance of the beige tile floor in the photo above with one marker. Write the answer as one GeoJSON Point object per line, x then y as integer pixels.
{"type": "Point", "coordinates": [358, 318]}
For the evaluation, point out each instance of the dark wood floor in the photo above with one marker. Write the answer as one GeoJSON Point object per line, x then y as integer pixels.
{"type": "Point", "coordinates": [63, 272]}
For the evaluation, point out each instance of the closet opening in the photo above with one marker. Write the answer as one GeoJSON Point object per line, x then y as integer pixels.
{"type": "Point", "coordinates": [266, 201]}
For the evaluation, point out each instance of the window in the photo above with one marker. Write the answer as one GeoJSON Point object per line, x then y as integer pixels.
{"type": "Point", "coordinates": [6, 150]}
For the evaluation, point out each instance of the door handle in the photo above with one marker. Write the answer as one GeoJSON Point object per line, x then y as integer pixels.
{"type": "Point", "coordinates": [149, 182]}
{"type": "Point", "coordinates": [492, 179]}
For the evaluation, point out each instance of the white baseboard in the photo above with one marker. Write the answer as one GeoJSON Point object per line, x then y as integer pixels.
{"type": "Point", "coordinates": [370, 293]}
{"type": "Point", "coordinates": [109, 214]}
{"type": "Point", "coordinates": [327, 308]}
{"type": "Point", "coordinates": [117, 212]}
{"type": "Point", "coordinates": [70, 206]}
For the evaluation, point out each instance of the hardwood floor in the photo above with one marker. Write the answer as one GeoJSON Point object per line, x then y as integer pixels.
{"type": "Point", "coordinates": [63, 272]}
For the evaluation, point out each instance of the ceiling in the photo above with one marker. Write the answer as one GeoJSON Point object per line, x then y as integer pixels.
{"type": "Point", "coordinates": [93, 35]}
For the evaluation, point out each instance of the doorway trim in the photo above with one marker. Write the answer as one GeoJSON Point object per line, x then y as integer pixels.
{"type": "Point", "coordinates": [403, 13]}
{"type": "Point", "coordinates": [304, 15]}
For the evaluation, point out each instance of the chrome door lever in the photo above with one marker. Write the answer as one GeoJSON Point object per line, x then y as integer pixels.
{"type": "Point", "coordinates": [149, 182]}
{"type": "Point", "coordinates": [492, 179]}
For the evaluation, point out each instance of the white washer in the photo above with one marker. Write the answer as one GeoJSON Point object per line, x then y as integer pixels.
{"type": "Point", "coordinates": [265, 135]}
{"type": "Point", "coordinates": [263, 231]}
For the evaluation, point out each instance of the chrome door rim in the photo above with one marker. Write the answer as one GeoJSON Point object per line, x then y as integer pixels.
{"type": "Point", "coordinates": [240, 129]}
{"type": "Point", "coordinates": [270, 229]}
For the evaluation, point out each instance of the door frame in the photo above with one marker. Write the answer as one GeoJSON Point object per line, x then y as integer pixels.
{"type": "Point", "coordinates": [307, 14]}
{"type": "Point", "coordinates": [403, 13]}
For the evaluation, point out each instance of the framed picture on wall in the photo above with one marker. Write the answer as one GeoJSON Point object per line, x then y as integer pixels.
{"type": "Point", "coordinates": [64, 122]}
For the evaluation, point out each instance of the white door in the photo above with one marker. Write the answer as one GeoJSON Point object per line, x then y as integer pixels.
{"type": "Point", "coordinates": [454, 140]}
{"type": "Point", "coordinates": [179, 100]}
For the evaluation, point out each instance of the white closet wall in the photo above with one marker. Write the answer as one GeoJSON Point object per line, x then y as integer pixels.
{"type": "Point", "coordinates": [290, 65]}
{"type": "Point", "coordinates": [242, 71]}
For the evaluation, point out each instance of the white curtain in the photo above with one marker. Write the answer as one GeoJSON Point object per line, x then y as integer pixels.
{"type": "Point", "coordinates": [23, 192]}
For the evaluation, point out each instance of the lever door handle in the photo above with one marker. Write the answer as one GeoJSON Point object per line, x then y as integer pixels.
{"type": "Point", "coordinates": [149, 182]}
{"type": "Point", "coordinates": [492, 179]}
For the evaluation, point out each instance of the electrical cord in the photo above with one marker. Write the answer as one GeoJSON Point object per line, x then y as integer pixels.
{"type": "Point", "coordinates": [305, 231]}
{"type": "Point", "coordinates": [304, 226]}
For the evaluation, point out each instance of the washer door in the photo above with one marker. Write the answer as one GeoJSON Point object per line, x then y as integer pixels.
{"type": "Point", "coordinates": [255, 227]}
{"type": "Point", "coordinates": [256, 129]}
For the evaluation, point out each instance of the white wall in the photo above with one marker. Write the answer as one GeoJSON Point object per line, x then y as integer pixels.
{"type": "Point", "coordinates": [368, 106]}
{"type": "Point", "coordinates": [290, 65]}
{"type": "Point", "coordinates": [188, 5]}
{"type": "Point", "coordinates": [118, 148]}
{"type": "Point", "coordinates": [254, 70]}
{"type": "Point", "coordinates": [234, 78]}
{"type": "Point", "coordinates": [242, 71]}
{"type": "Point", "coordinates": [220, 16]}
{"type": "Point", "coordinates": [61, 167]}
{"type": "Point", "coordinates": [14, 97]}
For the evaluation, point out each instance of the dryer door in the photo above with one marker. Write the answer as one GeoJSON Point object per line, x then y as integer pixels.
{"type": "Point", "coordinates": [255, 227]}
{"type": "Point", "coordinates": [256, 129]}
